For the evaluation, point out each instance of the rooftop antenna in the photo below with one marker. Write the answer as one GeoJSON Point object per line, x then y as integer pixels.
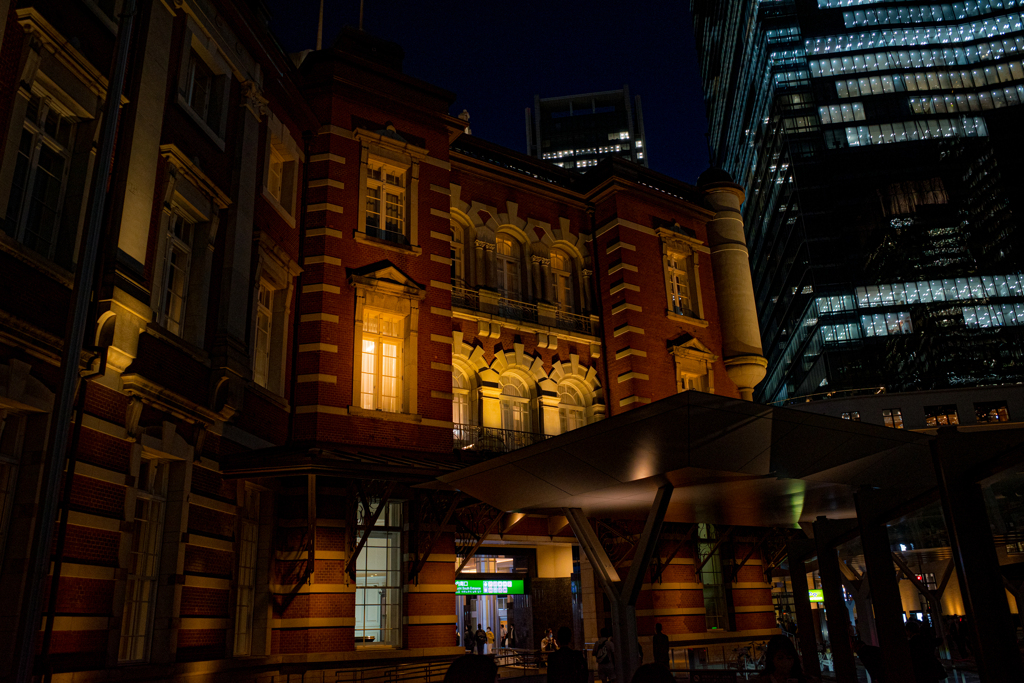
{"type": "Point", "coordinates": [320, 29]}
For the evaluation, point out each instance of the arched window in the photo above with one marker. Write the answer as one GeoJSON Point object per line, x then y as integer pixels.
{"type": "Point", "coordinates": [460, 402]}
{"type": "Point", "coordinates": [458, 256]}
{"type": "Point", "coordinates": [571, 413]}
{"type": "Point", "coordinates": [561, 280]}
{"type": "Point", "coordinates": [509, 266]}
{"type": "Point", "coordinates": [515, 404]}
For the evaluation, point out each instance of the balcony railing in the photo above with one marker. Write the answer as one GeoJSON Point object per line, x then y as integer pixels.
{"type": "Point", "coordinates": [492, 439]}
{"type": "Point", "coordinates": [513, 309]}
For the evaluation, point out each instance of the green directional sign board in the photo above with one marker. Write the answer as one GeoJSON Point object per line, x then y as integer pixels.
{"type": "Point", "coordinates": [489, 587]}
{"type": "Point", "coordinates": [816, 595]}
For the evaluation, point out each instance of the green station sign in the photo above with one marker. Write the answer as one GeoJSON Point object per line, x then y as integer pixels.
{"type": "Point", "coordinates": [489, 587]}
{"type": "Point", "coordinates": [816, 595]}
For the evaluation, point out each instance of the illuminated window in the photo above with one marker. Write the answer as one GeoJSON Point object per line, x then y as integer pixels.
{"type": "Point", "coordinates": [385, 203]}
{"type": "Point", "coordinates": [561, 280]}
{"type": "Point", "coordinates": [515, 404]}
{"type": "Point", "coordinates": [993, 411]}
{"type": "Point", "coordinates": [715, 615]}
{"type": "Point", "coordinates": [381, 362]}
{"type": "Point", "coordinates": [679, 283]}
{"type": "Point", "coordinates": [378, 598]}
{"type": "Point", "coordinates": [509, 266]}
{"type": "Point", "coordinates": [571, 413]}
{"type": "Point", "coordinates": [938, 416]}
{"type": "Point", "coordinates": [177, 267]}
{"type": "Point", "coordinates": [462, 416]}
{"type": "Point", "coordinates": [854, 416]}
{"type": "Point", "coordinates": [892, 418]}
{"type": "Point", "coordinates": [458, 256]}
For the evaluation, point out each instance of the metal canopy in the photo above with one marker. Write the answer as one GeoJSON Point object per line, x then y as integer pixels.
{"type": "Point", "coordinates": [730, 461]}
{"type": "Point", "coordinates": [356, 462]}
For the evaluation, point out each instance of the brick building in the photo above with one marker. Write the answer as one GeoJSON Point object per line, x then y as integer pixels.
{"type": "Point", "coordinates": [316, 294]}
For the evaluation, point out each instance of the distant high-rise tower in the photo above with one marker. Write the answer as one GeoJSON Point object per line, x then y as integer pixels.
{"type": "Point", "coordinates": [577, 131]}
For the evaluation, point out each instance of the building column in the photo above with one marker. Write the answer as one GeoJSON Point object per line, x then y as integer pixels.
{"type": "Point", "coordinates": [837, 614]}
{"type": "Point", "coordinates": [480, 269]}
{"type": "Point", "coordinates": [885, 588]}
{"type": "Point", "coordinates": [797, 551]}
{"type": "Point", "coordinates": [586, 295]}
{"type": "Point", "coordinates": [537, 268]}
{"type": "Point", "coordinates": [549, 421]}
{"type": "Point", "coordinates": [977, 565]}
{"type": "Point", "coordinates": [734, 289]}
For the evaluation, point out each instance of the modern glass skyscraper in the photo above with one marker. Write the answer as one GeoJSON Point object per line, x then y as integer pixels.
{"type": "Point", "coordinates": [879, 144]}
{"type": "Point", "coordinates": [577, 131]}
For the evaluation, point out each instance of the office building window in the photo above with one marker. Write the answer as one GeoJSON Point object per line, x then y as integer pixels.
{"type": "Point", "coordinates": [385, 203]}
{"type": "Point", "coordinates": [571, 410]}
{"type": "Point", "coordinates": [853, 415]}
{"type": "Point", "coordinates": [382, 362]}
{"type": "Point", "coordinates": [460, 402]}
{"type": "Point", "coordinates": [264, 329]}
{"type": "Point", "coordinates": [379, 578]}
{"type": "Point", "coordinates": [177, 266]}
{"type": "Point", "coordinates": [937, 416]}
{"type": "Point", "coordinates": [515, 404]}
{"type": "Point", "coordinates": [144, 561]}
{"type": "Point", "coordinates": [892, 418]}
{"type": "Point", "coordinates": [249, 526]}
{"type": "Point", "coordinates": [509, 265]}
{"type": "Point", "coordinates": [561, 280]}
{"type": "Point", "coordinates": [281, 175]}
{"type": "Point", "coordinates": [40, 176]}
{"type": "Point", "coordinates": [991, 411]}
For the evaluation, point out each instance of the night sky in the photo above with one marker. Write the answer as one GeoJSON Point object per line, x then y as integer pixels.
{"type": "Point", "coordinates": [496, 55]}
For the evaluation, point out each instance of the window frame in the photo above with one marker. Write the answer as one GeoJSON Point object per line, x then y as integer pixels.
{"type": "Point", "coordinates": [248, 543]}
{"type": "Point", "coordinates": [511, 406]}
{"type": "Point", "coordinates": [174, 244]}
{"type": "Point", "coordinates": [579, 410]}
{"type": "Point", "coordinates": [507, 266]}
{"type": "Point", "coordinates": [38, 140]}
{"type": "Point", "coordinates": [563, 281]}
{"type": "Point", "coordinates": [387, 147]}
{"type": "Point", "coordinates": [685, 250]}
{"type": "Point", "coordinates": [379, 358]}
{"type": "Point", "coordinates": [280, 144]}
{"type": "Point", "coordinates": [199, 46]}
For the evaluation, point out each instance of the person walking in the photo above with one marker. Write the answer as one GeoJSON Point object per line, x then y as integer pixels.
{"type": "Point", "coordinates": [481, 639]}
{"type": "Point", "coordinates": [781, 664]}
{"type": "Point", "coordinates": [567, 665]}
{"type": "Point", "coordinates": [547, 643]}
{"type": "Point", "coordinates": [469, 640]}
{"type": "Point", "coordinates": [504, 636]}
{"type": "Point", "coordinates": [660, 646]}
{"type": "Point", "coordinates": [927, 667]}
{"type": "Point", "coordinates": [511, 635]}
{"type": "Point", "coordinates": [604, 653]}
{"type": "Point", "coordinates": [490, 639]}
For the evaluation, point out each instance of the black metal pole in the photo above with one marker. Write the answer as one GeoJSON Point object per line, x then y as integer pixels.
{"type": "Point", "coordinates": [78, 321]}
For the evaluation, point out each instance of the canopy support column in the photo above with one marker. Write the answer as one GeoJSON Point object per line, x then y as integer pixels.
{"type": "Point", "coordinates": [885, 589]}
{"type": "Point", "coordinates": [836, 613]}
{"type": "Point", "coordinates": [622, 594]}
{"type": "Point", "coordinates": [797, 552]}
{"type": "Point", "coordinates": [977, 566]}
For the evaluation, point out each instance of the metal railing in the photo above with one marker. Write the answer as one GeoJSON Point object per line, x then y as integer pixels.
{"type": "Point", "coordinates": [513, 309]}
{"type": "Point", "coordinates": [492, 439]}
{"type": "Point", "coordinates": [431, 671]}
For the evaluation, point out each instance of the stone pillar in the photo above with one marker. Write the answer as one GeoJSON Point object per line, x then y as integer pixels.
{"type": "Point", "coordinates": [480, 271]}
{"type": "Point", "coordinates": [885, 589]}
{"type": "Point", "coordinates": [835, 606]}
{"type": "Point", "coordinates": [540, 292]}
{"type": "Point", "coordinates": [585, 292]}
{"type": "Point", "coordinates": [549, 415]}
{"type": "Point", "coordinates": [490, 407]}
{"type": "Point", "coordinates": [977, 565]}
{"type": "Point", "coordinates": [734, 290]}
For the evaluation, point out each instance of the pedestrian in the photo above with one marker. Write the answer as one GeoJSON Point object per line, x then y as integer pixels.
{"type": "Point", "coordinates": [547, 643]}
{"type": "Point", "coordinates": [660, 646]}
{"type": "Point", "coordinates": [490, 639]}
{"type": "Point", "coordinates": [653, 673]}
{"type": "Point", "coordinates": [469, 640]}
{"type": "Point", "coordinates": [927, 667]}
{"type": "Point", "coordinates": [567, 665]}
{"type": "Point", "coordinates": [504, 636]}
{"type": "Point", "coordinates": [781, 664]}
{"type": "Point", "coordinates": [604, 653]}
{"type": "Point", "coordinates": [511, 635]}
{"type": "Point", "coordinates": [481, 639]}
{"type": "Point", "coordinates": [472, 669]}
